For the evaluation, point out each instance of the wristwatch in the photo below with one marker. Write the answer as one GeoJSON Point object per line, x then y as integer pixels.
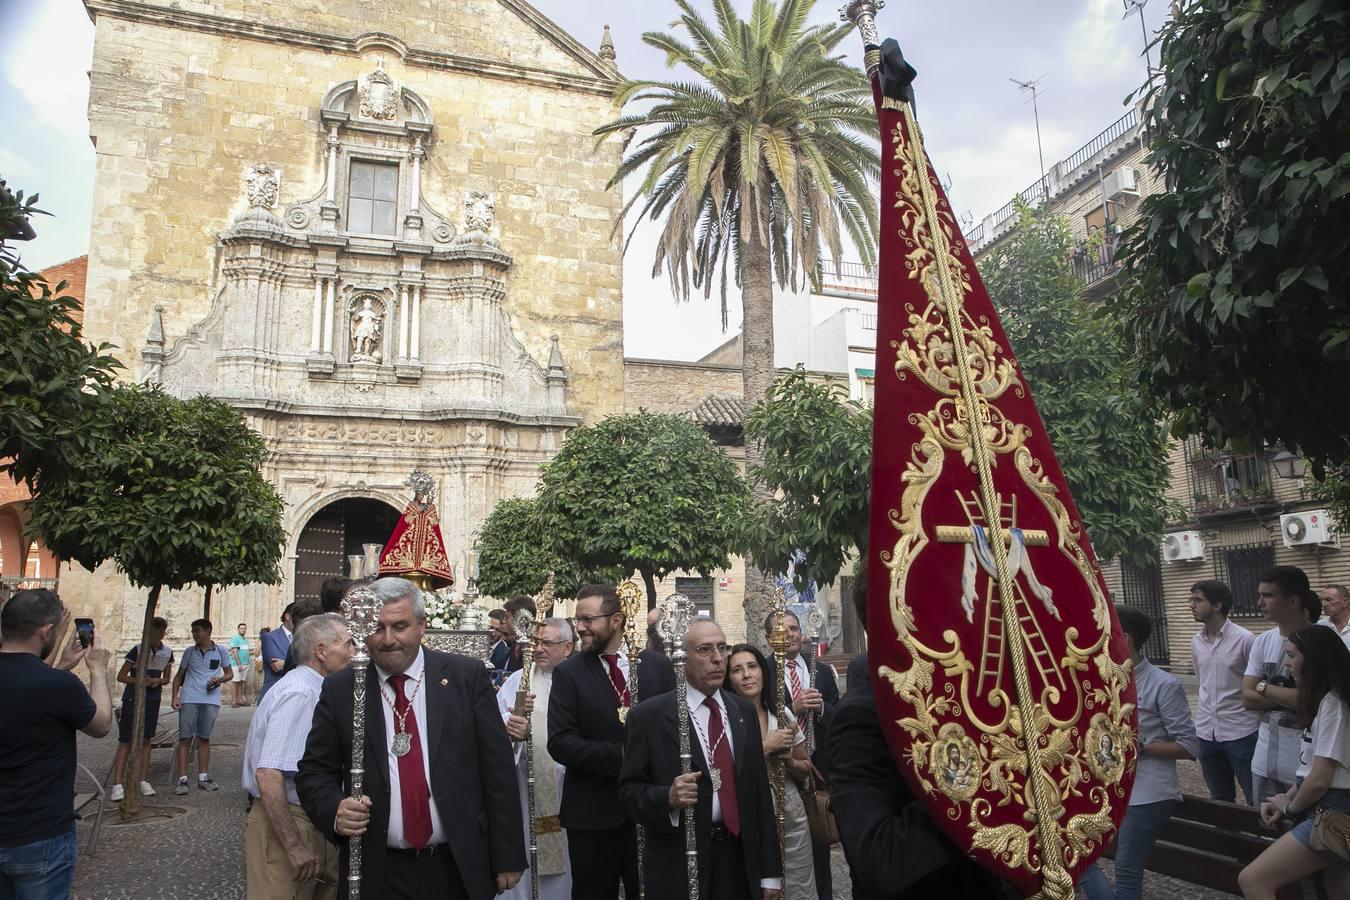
{"type": "Point", "coordinates": [1261, 686]}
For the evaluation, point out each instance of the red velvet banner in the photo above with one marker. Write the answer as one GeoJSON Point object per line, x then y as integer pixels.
{"type": "Point", "coordinates": [1000, 670]}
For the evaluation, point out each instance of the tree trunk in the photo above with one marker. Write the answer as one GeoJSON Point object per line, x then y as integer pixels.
{"type": "Point", "coordinates": [131, 803]}
{"type": "Point", "coordinates": [757, 371]}
{"type": "Point", "coordinates": [206, 603]}
{"type": "Point", "coordinates": [650, 581]}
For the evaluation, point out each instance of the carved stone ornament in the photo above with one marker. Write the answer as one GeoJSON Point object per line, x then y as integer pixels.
{"type": "Point", "coordinates": [480, 213]}
{"type": "Point", "coordinates": [379, 94]}
{"type": "Point", "coordinates": [367, 329]}
{"type": "Point", "coordinates": [262, 183]}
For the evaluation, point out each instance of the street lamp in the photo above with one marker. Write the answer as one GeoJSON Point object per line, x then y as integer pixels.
{"type": "Point", "coordinates": [1289, 466]}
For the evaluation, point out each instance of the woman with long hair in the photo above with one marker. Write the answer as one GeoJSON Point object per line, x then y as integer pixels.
{"type": "Point", "coordinates": [1320, 664]}
{"type": "Point", "coordinates": [746, 671]}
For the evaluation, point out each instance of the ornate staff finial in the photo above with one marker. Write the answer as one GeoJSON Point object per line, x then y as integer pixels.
{"type": "Point", "coordinates": [523, 623]}
{"type": "Point", "coordinates": [677, 614]}
{"type": "Point", "coordinates": [543, 602]}
{"type": "Point", "coordinates": [362, 610]}
{"type": "Point", "coordinates": [631, 602]}
{"type": "Point", "coordinates": [863, 15]}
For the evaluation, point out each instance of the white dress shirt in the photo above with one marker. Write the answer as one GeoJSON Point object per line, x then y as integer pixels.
{"type": "Point", "coordinates": [700, 715]}
{"type": "Point", "coordinates": [1343, 632]}
{"type": "Point", "coordinates": [419, 710]}
{"type": "Point", "coordinates": [1220, 662]}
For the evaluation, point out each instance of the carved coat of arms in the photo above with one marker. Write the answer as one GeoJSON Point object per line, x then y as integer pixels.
{"type": "Point", "coordinates": [379, 94]}
{"type": "Point", "coordinates": [262, 183]}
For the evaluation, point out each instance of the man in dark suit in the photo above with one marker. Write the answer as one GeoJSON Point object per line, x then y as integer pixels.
{"type": "Point", "coordinates": [441, 812]}
{"type": "Point", "coordinates": [276, 645]}
{"type": "Point", "coordinates": [586, 711]}
{"type": "Point", "coordinates": [808, 701]}
{"type": "Point", "coordinates": [728, 788]}
{"type": "Point", "coordinates": [894, 850]}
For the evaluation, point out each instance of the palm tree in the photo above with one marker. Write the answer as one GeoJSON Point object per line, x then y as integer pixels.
{"type": "Point", "coordinates": [754, 164]}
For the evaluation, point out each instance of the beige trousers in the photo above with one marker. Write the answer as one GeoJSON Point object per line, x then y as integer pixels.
{"type": "Point", "coordinates": [269, 875]}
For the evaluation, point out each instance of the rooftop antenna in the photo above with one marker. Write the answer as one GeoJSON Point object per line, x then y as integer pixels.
{"type": "Point", "coordinates": [1137, 6]}
{"type": "Point", "coordinates": [1030, 87]}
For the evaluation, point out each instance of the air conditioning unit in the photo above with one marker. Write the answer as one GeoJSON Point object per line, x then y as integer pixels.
{"type": "Point", "coordinates": [1309, 527]}
{"type": "Point", "coordinates": [1181, 546]}
{"type": "Point", "coordinates": [1123, 182]}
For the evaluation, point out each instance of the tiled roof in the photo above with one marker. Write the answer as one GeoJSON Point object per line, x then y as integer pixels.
{"type": "Point", "coordinates": [720, 411]}
{"type": "Point", "coordinates": [74, 272]}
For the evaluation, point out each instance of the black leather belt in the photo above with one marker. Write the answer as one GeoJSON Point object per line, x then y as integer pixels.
{"type": "Point", "coordinates": [423, 853]}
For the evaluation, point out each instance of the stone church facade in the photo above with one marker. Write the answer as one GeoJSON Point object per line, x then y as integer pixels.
{"type": "Point", "coordinates": [378, 230]}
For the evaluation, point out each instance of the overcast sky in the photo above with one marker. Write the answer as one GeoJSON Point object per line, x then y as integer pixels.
{"type": "Point", "coordinates": [979, 129]}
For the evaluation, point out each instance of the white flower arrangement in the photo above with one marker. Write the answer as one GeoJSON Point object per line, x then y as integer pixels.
{"type": "Point", "coordinates": [444, 610]}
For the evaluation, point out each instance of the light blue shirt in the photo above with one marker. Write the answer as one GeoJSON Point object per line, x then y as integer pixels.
{"type": "Point", "coordinates": [197, 671]}
{"type": "Point", "coordinates": [1164, 715]}
{"type": "Point", "coordinates": [280, 727]}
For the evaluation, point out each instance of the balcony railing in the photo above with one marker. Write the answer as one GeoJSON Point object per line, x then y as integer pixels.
{"type": "Point", "coordinates": [21, 583]}
{"type": "Point", "coordinates": [1094, 264]}
{"type": "Point", "coordinates": [1116, 130]}
{"type": "Point", "coordinates": [1222, 481]}
{"type": "Point", "coordinates": [853, 277]}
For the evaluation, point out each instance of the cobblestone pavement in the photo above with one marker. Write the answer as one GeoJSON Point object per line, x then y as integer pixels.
{"type": "Point", "coordinates": [200, 854]}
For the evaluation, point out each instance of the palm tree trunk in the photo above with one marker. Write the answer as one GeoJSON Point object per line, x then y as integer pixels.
{"type": "Point", "coordinates": [131, 803]}
{"type": "Point", "coordinates": [757, 371]}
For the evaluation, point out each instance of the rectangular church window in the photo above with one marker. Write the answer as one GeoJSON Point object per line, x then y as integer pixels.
{"type": "Point", "coordinates": [372, 197]}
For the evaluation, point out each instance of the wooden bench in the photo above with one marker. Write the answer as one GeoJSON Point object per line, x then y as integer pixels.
{"type": "Point", "coordinates": [1208, 842]}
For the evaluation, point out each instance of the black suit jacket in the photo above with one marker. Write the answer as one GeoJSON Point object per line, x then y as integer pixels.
{"type": "Point", "coordinates": [585, 735]}
{"type": "Point", "coordinates": [473, 773]}
{"type": "Point", "coordinates": [894, 850]}
{"type": "Point", "coordinates": [828, 686]}
{"type": "Point", "coordinates": [651, 762]}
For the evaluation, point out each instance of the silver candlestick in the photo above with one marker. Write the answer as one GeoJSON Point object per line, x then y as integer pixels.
{"type": "Point", "coordinates": [677, 614]}
{"type": "Point", "coordinates": [362, 609]}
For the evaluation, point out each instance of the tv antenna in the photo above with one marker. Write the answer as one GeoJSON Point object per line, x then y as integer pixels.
{"type": "Point", "coordinates": [1030, 87]}
{"type": "Point", "coordinates": [1137, 6]}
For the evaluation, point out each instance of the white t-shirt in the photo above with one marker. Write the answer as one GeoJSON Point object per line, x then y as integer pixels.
{"type": "Point", "coordinates": [1276, 756]}
{"type": "Point", "coordinates": [1329, 737]}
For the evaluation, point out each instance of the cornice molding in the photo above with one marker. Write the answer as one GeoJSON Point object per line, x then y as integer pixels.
{"type": "Point", "coordinates": [603, 83]}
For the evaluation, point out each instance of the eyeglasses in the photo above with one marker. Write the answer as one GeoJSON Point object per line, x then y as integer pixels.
{"type": "Point", "coordinates": [557, 643]}
{"type": "Point", "coordinates": [589, 619]}
{"type": "Point", "coordinates": [708, 650]}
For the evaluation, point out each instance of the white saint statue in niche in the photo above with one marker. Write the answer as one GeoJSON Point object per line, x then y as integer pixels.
{"type": "Point", "coordinates": [366, 323]}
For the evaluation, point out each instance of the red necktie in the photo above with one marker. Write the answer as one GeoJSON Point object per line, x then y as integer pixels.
{"type": "Point", "coordinates": [414, 796]}
{"type": "Point", "coordinates": [731, 813]}
{"type": "Point", "coordinates": [796, 689]}
{"type": "Point", "coordinates": [616, 677]}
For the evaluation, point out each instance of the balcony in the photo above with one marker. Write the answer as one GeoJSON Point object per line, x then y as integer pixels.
{"type": "Point", "coordinates": [1223, 483]}
{"type": "Point", "coordinates": [1093, 265]}
{"type": "Point", "coordinates": [848, 278]}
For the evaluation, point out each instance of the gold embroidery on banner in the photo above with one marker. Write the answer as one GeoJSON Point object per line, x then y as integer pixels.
{"type": "Point", "coordinates": [1028, 756]}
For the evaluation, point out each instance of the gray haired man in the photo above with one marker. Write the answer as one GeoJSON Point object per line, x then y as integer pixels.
{"type": "Point", "coordinates": [285, 856]}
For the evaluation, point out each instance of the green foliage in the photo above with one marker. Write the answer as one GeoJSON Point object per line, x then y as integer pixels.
{"type": "Point", "coordinates": [1076, 360]}
{"type": "Point", "coordinates": [171, 492]}
{"type": "Point", "coordinates": [53, 386]}
{"type": "Point", "coordinates": [816, 447]}
{"type": "Point", "coordinates": [646, 491]}
{"type": "Point", "coordinates": [1235, 289]}
{"type": "Point", "coordinates": [515, 556]}
{"type": "Point", "coordinates": [1334, 489]}
{"type": "Point", "coordinates": [773, 136]}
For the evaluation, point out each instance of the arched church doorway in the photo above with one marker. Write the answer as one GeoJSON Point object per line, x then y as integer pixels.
{"type": "Point", "coordinates": [335, 532]}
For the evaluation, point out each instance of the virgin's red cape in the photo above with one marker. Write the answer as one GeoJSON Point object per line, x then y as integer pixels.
{"type": "Point", "coordinates": [416, 547]}
{"type": "Point", "coordinates": [940, 641]}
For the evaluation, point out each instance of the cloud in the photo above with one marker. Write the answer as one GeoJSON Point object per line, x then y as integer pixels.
{"type": "Point", "coordinates": [1098, 45]}
{"type": "Point", "coordinates": [48, 67]}
{"type": "Point", "coordinates": [14, 167]}
{"type": "Point", "coordinates": [985, 175]}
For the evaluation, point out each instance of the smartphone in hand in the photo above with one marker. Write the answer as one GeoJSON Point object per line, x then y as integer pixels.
{"type": "Point", "coordinates": [85, 629]}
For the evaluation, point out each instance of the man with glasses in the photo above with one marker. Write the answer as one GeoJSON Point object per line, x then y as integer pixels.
{"type": "Point", "coordinates": [554, 642]}
{"type": "Point", "coordinates": [728, 788]}
{"type": "Point", "coordinates": [1226, 730]}
{"type": "Point", "coordinates": [588, 705]}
